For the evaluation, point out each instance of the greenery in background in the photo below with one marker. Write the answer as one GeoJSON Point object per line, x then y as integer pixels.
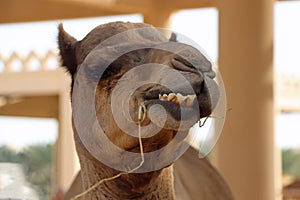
{"type": "Point", "coordinates": [37, 162]}
{"type": "Point", "coordinates": [291, 162]}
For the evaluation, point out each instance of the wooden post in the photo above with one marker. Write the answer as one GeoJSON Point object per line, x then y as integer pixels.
{"type": "Point", "coordinates": [66, 161]}
{"type": "Point", "coordinates": [160, 18]}
{"type": "Point", "coordinates": [246, 147]}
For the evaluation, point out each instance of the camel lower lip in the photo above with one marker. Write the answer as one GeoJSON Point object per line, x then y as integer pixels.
{"type": "Point", "coordinates": [178, 112]}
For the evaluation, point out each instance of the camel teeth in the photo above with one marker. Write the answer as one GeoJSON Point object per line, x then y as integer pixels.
{"type": "Point", "coordinates": [178, 99]}
{"type": "Point", "coordinates": [171, 97]}
{"type": "Point", "coordinates": [165, 97]}
{"type": "Point", "coordinates": [190, 100]}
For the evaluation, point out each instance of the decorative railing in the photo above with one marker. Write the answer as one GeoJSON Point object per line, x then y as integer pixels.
{"type": "Point", "coordinates": [33, 61]}
{"type": "Point", "coordinates": [288, 84]}
{"type": "Point", "coordinates": [288, 92]}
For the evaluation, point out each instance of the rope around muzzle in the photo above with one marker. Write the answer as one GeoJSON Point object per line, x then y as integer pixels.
{"type": "Point", "coordinates": [141, 116]}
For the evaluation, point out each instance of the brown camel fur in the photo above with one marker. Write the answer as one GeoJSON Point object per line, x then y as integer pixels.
{"type": "Point", "coordinates": [194, 178]}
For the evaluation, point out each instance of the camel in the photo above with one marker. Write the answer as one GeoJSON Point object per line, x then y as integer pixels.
{"type": "Point", "coordinates": [187, 178]}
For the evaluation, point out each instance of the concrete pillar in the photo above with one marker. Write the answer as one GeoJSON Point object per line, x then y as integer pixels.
{"type": "Point", "coordinates": [158, 17]}
{"type": "Point", "coordinates": [67, 164]}
{"type": "Point", "coordinates": [246, 147]}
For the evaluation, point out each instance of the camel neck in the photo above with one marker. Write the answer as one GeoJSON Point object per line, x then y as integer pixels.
{"type": "Point", "coordinates": [154, 185]}
{"type": "Point", "coordinates": [139, 186]}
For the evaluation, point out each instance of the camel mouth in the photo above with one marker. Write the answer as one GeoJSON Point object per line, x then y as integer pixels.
{"type": "Point", "coordinates": [178, 99]}
{"type": "Point", "coordinates": [181, 109]}
{"type": "Point", "coordinates": [178, 106]}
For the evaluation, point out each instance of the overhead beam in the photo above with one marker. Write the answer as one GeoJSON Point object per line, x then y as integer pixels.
{"type": "Point", "coordinates": [31, 106]}
{"type": "Point", "coordinates": [13, 11]}
{"type": "Point", "coordinates": [145, 5]}
{"type": "Point", "coordinates": [110, 6]}
{"type": "Point", "coordinates": [186, 4]}
{"type": "Point", "coordinates": [40, 10]}
{"type": "Point", "coordinates": [142, 6]}
{"type": "Point", "coordinates": [32, 83]}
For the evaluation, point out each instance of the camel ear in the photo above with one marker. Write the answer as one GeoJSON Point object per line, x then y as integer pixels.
{"type": "Point", "coordinates": [173, 37]}
{"type": "Point", "coordinates": [66, 44]}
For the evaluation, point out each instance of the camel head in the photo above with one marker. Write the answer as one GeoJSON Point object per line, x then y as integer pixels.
{"type": "Point", "coordinates": [174, 82]}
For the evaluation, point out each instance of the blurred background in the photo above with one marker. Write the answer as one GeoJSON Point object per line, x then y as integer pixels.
{"type": "Point", "coordinates": [255, 44]}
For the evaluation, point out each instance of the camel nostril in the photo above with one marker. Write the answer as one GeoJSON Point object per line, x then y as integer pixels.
{"type": "Point", "coordinates": [182, 65]}
{"type": "Point", "coordinates": [211, 74]}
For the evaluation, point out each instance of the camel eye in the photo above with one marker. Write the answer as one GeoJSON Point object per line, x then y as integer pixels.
{"type": "Point", "coordinates": [110, 71]}
{"type": "Point", "coordinates": [107, 74]}
{"type": "Point", "coordinates": [137, 60]}
{"type": "Point", "coordinates": [95, 73]}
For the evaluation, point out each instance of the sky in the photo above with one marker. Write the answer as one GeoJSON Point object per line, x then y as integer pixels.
{"type": "Point", "coordinates": [287, 37]}
{"type": "Point", "coordinates": [18, 132]}
{"type": "Point", "coordinates": [40, 37]}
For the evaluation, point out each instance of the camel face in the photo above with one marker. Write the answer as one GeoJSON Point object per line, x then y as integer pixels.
{"type": "Point", "coordinates": [191, 93]}
{"type": "Point", "coordinates": [179, 87]}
